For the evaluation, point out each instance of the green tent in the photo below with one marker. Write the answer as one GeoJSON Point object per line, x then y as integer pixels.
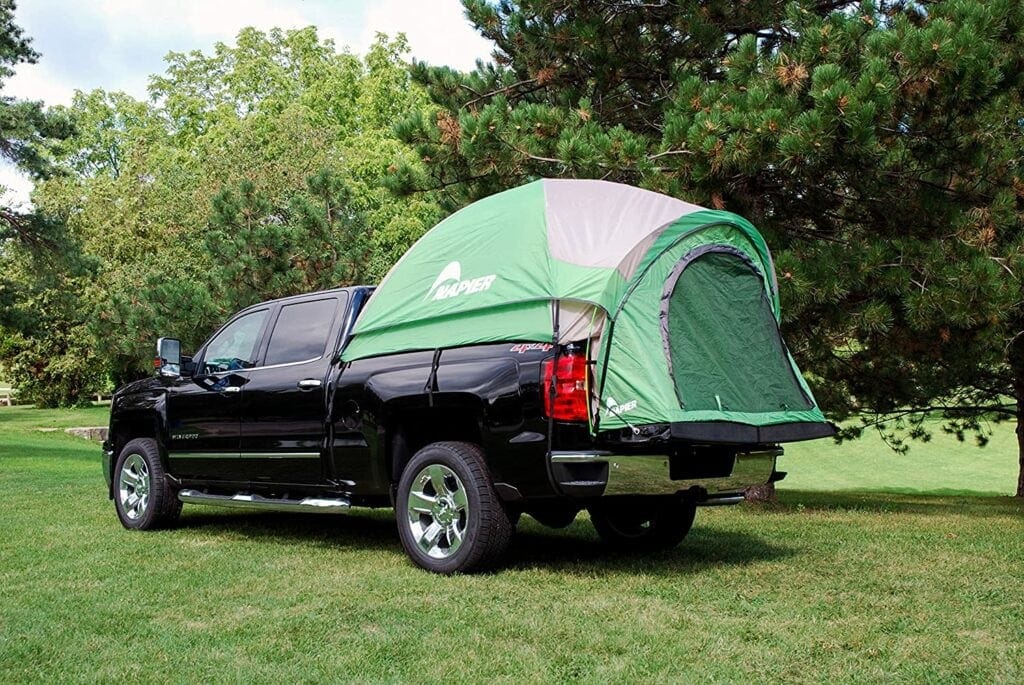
{"type": "Point", "coordinates": [677, 304]}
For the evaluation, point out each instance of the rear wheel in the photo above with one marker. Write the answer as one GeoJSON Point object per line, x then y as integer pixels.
{"type": "Point", "coordinates": [644, 526]}
{"type": "Point", "coordinates": [142, 496]}
{"type": "Point", "coordinates": [450, 518]}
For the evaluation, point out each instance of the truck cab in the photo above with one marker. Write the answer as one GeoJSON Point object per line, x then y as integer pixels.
{"type": "Point", "coordinates": [249, 408]}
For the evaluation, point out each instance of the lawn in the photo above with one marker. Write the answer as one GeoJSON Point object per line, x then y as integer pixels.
{"type": "Point", "coordinates": [825, 586]}
{"type": "Point", "coordinates": [942, 466]}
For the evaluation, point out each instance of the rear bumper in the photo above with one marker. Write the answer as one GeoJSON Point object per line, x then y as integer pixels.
{"type": "Point", "coordinates": [729, 432]}
{"type": "Point", "coordinates": [604, 474]}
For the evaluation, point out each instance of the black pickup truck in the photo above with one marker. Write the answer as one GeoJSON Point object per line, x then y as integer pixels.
{"type": "Point", "coordinates": [460, 441]}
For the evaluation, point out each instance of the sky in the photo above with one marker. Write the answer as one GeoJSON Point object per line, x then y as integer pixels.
{"type": "Point", "coordinates": [118, 44]}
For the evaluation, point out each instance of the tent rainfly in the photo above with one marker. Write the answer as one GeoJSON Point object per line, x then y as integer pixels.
{"type": "Point", "coordinates": [677, 303]}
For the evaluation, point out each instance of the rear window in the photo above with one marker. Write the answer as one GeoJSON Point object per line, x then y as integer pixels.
{"type": "Point", "coordinates": [300, 333]}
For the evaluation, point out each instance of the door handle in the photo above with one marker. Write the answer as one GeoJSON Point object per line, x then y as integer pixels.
{"type": "Point", "coordinates": [233, 388]}
{"type": "Point", "coordinates": [308, 383]}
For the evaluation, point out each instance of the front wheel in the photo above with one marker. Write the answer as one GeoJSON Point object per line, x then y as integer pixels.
{"type": "Point", "coordinates": [143, 498]}
{"type": "Point", "coordinates": [642, 526]}
{"type": "Point", "coordinates": [450, 518]}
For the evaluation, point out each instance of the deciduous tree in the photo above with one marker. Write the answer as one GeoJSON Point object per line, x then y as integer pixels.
{"type": "Point", "coordinates": [218, 191]}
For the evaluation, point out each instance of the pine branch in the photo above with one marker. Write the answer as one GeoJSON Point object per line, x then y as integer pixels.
{"type": "Point", "coordinates": [503, 91]}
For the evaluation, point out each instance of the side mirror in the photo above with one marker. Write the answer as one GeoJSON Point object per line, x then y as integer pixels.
{"type": "Point", "coordinates": [168, 357]}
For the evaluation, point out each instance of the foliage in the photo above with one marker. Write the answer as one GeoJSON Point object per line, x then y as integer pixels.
{"type": "Point", "coordinates": [878, 145]}
{"type": "Point", "coordinates": [24, 126]}
{"type": "Point", "coordinates": [254, 172]}
{"type": "Point", "coordinates": [43, 340]}
{"type": "Point", "coordinates": [260, 251]}
{"type": "Point", "coordinates": [41, 343]}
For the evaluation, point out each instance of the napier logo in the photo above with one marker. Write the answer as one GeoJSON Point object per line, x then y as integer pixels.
{"type": "Point", "coordinates": [614, 408]}
{"type": "Point", "coordinates": [449, 283]}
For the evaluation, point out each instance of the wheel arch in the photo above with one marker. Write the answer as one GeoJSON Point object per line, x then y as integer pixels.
{"type": "Point", "coordinates": [411, 426]}
{"type": "Point", "coordinates": [128, 426]}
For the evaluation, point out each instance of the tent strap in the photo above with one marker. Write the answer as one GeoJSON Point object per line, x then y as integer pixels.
{"type": "Point", "coordinates": [556, 309]}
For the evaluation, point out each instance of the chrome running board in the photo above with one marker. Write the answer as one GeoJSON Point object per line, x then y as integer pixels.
{"type": "Point", "coordinates": [315, 505]}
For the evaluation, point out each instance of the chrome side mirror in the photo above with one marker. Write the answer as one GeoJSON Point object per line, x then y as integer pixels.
{"type": "Point", "coordinates": [168, 357]}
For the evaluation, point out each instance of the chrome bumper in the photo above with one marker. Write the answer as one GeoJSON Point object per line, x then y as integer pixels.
{"type": "Point", "coordinates": [589, 474]}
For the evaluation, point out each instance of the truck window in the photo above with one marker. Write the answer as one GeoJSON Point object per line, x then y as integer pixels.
{"type": "Point", "coordinates": [300, 334]}
{"type": "Point", "coordinates": [235, 346]}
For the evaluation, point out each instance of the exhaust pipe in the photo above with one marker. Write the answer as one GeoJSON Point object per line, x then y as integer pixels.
{"type": "Point", "coordinates": [721, 501]}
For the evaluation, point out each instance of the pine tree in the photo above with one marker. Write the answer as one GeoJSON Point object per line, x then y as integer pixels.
{"type": "Point", "coordinates": [313, 240]}
{"type": "Point", "coordinates": [25, 127]}
{"type": "Point", "coordinates": [42, 269]}
{"type": "Point", "coordinates": [878, 146]}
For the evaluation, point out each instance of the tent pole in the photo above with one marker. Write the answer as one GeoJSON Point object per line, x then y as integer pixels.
{"type": "Point", "coordinates": [609, 331]}
{"type": "Point", "coordinates": [556, 310]}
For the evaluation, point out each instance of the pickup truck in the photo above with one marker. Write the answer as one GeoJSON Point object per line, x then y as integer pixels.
{"type": "Point", "coordinates": [561, 346]}
{"type": "Point", "coordinates": [266, 416]}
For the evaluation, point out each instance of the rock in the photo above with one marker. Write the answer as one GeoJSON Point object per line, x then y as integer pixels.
{"type": "Point", "coordinates": [98, 433]}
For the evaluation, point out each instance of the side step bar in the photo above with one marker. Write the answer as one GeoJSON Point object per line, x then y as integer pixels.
{"type": "Point", "coordinates": [315, 505]}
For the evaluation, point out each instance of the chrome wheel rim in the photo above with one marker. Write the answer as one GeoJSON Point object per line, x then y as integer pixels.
{"type": "Point", "coordinates": [438, 511]}
{"type": "Point", "coordinates": [133, 487]}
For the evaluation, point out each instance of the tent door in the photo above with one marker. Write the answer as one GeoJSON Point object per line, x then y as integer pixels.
{"type": "Point", "coordinates": [725, 352]}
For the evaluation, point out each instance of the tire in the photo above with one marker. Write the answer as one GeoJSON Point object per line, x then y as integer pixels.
{"type": "Point", "coordinates": [143, 497]}
{"type": "Point", "coordinates": [639, 526]}
{"type": "Point", "coordinates": [450, 518]}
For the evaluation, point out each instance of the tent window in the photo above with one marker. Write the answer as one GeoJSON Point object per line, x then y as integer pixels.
{"type": "Point", "coordinates": [724, 347]}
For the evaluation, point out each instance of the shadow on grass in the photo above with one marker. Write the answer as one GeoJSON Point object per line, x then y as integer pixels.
{"type": "Point", "coordinates": [931, 503]}
{"type": "Point", "coordinates": [363, 528]}
{"type": "Point", "coordinates": [575, 548]}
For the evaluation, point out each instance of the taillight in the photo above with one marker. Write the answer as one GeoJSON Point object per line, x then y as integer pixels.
{"type": "Point", "coordinates": [569, 401]}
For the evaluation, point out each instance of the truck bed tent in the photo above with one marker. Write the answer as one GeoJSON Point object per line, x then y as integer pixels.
{"type": "Point", "coordinates": [680, 304]}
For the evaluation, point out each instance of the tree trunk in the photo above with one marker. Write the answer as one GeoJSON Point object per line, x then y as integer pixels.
{"type": "Point", "coordinates": [1020, 451]}
{"type": "Point", "coordinates": [1018, 387]}
{"type": "Point", "coordinates": [1015, 358]}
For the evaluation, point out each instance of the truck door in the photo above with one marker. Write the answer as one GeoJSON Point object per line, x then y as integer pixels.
{"type": "Point", "coordinates": [284, 399]}
{"type": "Point", "coordinates": [203, 411]}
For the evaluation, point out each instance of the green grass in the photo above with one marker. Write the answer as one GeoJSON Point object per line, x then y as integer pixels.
{"type": "Point", "coordinates": [825, 586]}
{"type": "Point", "coordinates": [942, 466]}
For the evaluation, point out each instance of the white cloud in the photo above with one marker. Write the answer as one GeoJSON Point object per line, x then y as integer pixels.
{"type": "Point", "coordinates": [15, 187]}
{"type": "Point", "coordinates": [202, 22]}
{"type": "Point", "coordinates": [438, 32]}
{"type": "Point", "coordinates": [118, 44]}
{"type": "Point", "coordinates": [38, 82]}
